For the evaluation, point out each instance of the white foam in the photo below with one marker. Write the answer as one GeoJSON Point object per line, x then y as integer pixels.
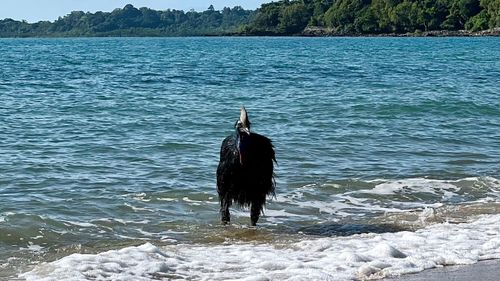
{"type": "Point", "coordinates": [444, 188]}
{"type": "Point", "coordinates": [415, 185]}
{"type": "Point", "coordinates": [281, 213]}
{"type": "Point", "coordinates": [198, 202]}
{"type": "Point", "coordinates": [137, 209]}
{"type": "Point", "coordinates": [168, 199]}
{"type": "Point", "coordinates": [80, 224]}
{"type": "Point", "coordinates": [379, 197]}
{"type": "Point", "coordinates": [121, 221]}
{"type": "Point", "coordinates": [141, 197]}
{"type": "Point", "coordinates": [366, 256]}
{"type": "Point", "coordinates": [3, 216]}
{"type": "Point", "coordinates": [35, 248]}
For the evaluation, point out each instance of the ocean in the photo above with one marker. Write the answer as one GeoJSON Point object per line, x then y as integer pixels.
{"type": "Point", "coordinates": [388, 155]}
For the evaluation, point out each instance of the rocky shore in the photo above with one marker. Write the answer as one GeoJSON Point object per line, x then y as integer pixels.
{"type": "Point", "coordinates": [317, 31]}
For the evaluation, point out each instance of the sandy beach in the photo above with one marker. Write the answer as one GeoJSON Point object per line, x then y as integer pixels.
{"type": "Point", "coordinates": [482, 271]}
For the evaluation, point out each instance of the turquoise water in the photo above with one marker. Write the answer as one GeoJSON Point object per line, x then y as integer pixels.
{"type": "Point", "coordinates": [106, 143]}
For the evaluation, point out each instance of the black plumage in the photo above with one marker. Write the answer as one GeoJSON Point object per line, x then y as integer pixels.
{"type": "Point", "coordinates": [245, 172]}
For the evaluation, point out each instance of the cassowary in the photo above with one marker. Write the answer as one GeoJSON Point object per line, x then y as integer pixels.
{"type": "Point", "coordinates": [245, 172]}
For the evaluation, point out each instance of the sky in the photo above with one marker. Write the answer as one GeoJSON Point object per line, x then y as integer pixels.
{"type": "Point", "coordinates": [37, 10]}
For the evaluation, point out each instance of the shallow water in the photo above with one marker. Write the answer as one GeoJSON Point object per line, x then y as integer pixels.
{"type": "Point", "coordinates": [113, 143]}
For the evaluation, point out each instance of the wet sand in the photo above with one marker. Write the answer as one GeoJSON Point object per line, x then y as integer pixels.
{"type": "Point", "coordinates": [481, 271]}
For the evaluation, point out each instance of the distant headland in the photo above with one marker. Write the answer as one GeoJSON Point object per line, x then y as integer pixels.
{"type": "Point", "coordinates": [280, 18]}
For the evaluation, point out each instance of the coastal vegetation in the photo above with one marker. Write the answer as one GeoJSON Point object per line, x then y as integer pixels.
{"type": "Point", "coordinates": [131, 21]}
{"type": "Point", "coordinates": [375, 16]}
{"type": "Point", "coordinates": [285, 17]}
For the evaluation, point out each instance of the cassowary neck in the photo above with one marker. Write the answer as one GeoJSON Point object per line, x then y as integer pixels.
{"type": "Point", "coordinates": [241, 145]}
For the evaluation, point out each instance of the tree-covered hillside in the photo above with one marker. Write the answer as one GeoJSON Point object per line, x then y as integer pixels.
{"type": "Point", "coordinates": [284, 17]}
{"type": "Point", "coordinates": [131, 21]}
{"type": "Point", "coordinates": [375, 16]}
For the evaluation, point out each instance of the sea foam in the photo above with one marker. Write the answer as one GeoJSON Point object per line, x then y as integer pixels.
{"type": "Point", "coordinates": [365, 257]}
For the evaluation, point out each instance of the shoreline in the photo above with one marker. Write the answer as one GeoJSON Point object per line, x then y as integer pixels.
{"type": "Point", "coordinates": [486, 270]}
{"type": "Point", "coordinates": [330, 32]}
{"type": "Point", "coordinates": [314, 31]}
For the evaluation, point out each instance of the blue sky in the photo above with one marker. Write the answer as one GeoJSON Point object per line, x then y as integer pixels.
{"type": "Point", "coordinates": [36, 10]}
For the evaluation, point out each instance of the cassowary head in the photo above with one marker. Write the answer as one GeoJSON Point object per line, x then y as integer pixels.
{"type": "Point", "coordinates": [243, 124]}
{"type": "Point", "coordinates": [242, 134]}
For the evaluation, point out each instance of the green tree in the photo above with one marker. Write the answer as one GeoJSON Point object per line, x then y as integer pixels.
{"type": "Point", "coordinates": [459, 12]}
{"type": "Point", "coordinates": [366, 21]}
{"type": "Point", "coordinates": [382, 10]}
{"type": "Point", "coordinates": [343, 13]}
{"type": "Point", "coordinates": [405, 16]}
{"type": "Point", "coordinates": [125, 18]}
{"type": "Point", "coordinates": [267, 18]}
{"type": "Point", "coordinates": [478, 22]}
{"type": "Point", "coordinates": [150, 18]}
{"type": "Point", "coordinates": [492, 8]}
{"type": "Point", "coordinates": [431, 14]}
{"type": "Point", "coordinates": [317, 9]}
{"type": "Point", "coordinates": [293, 18]}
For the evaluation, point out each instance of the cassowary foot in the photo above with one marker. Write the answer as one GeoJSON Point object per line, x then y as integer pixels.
{"type": "Point", "coordinates": [255, 213]}
{"type": "Point", "coordinates": [225, 217]}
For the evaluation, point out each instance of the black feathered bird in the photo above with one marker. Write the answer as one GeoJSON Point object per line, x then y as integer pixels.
{"type": "Point", "coordinates": [245, 172]}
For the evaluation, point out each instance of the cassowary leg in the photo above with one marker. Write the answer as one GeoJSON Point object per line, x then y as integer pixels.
{"type": "Point", "coordinates": [255, 210]}
{"type": "Point", "coordinates": [225, 203]}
